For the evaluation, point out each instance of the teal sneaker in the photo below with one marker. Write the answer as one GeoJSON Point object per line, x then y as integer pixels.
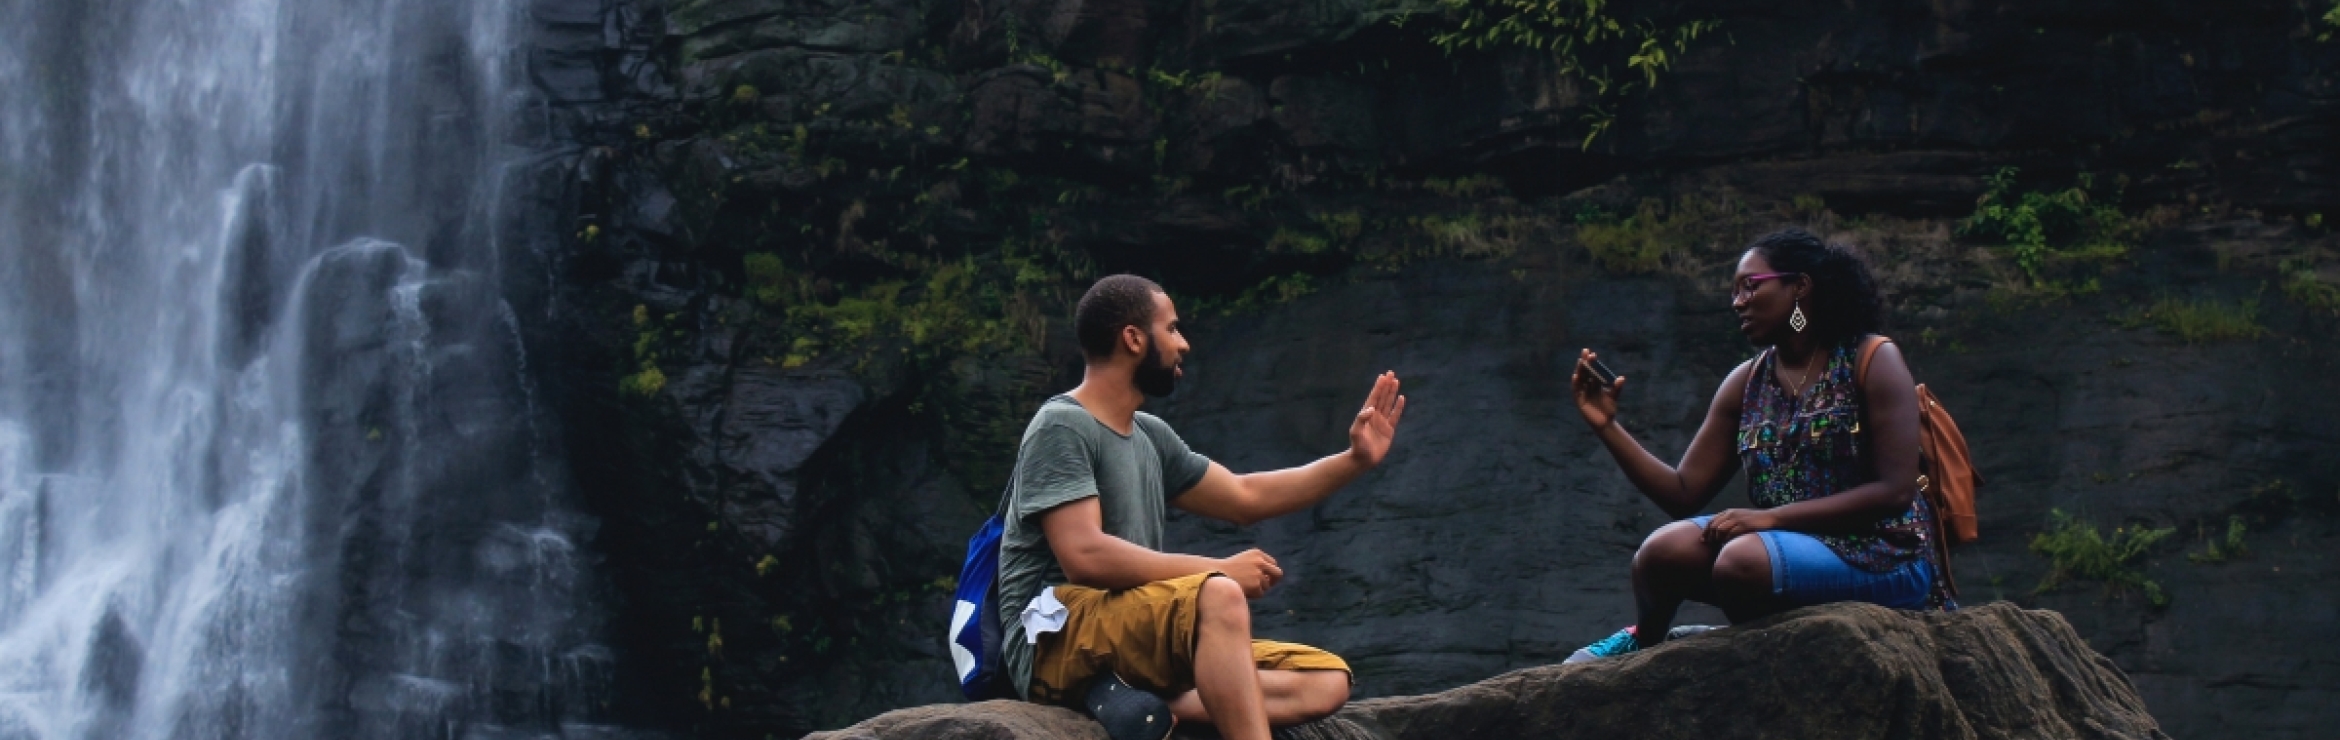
{"type": "Point", "coordinates": [1618, 644]}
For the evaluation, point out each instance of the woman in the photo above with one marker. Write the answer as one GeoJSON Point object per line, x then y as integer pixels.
{"type": "Point", "coordinates": [1832, 463]}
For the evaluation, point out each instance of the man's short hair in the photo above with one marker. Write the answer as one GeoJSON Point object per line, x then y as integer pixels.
{"type": "Point", "coordinates": [1114, 302]}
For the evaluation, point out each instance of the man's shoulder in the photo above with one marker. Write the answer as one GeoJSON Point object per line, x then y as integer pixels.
{"type": "Point", "coordinates": [1063, 420]}
{"type": "Point", "coordinates": [1058, 411]}
{"type": "Point", "coordinates": [1152, 424]}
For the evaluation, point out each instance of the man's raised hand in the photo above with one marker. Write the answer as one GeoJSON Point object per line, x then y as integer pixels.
{"type": "Point", "coordinates": [1376, 424]}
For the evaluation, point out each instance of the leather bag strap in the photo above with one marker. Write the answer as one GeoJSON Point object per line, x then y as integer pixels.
{"type": "Point", "coordinates": [1868, 352]}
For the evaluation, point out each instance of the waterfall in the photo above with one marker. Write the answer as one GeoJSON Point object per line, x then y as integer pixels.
{"type": "Point", "coordinates": [269, 467]}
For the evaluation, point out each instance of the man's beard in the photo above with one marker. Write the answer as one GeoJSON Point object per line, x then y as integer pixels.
{"type": "Point", "coordinates": [1153, 378]}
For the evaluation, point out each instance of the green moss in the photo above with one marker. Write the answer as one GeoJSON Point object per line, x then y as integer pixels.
{"type": "Point", "coordinates": [1471, 234]}
{"type": "Point", "coordinates": [2077, 551]}
{"type": "Point", "coordinates": [1294, 241]}
{"type": "Point", "coordinates": [2303, 286]}
{"type": "Point", "coordinates": [2200, 321]}
{"type": "Point", "coordinates": [1344, 226]}
{"type": "Point", "coordinates": [1473, 186]}
{"type": "Point", "coordinates": [1276, 290]}
{"type": "Point", "coordinates": [1180, 81]}
{"type": "Point", "coordinates": [643, 384]}
{"type": "Point", "coordinates": [1653, 237]}
{"type": "Point", "coordinates": [767, 278]}
{"type": "Point", "coordinates": [647, 380]}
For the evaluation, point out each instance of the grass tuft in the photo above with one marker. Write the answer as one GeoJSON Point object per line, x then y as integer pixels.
{"type": "Point", "coordinates": [2222, 549]}
{"type": "Point", "coordinates": [2201, 321]}
{"type": "Point", "coordinates": [2308, 290]}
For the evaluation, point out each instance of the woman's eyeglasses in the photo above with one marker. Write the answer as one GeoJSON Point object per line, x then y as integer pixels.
{"type": "Point", "coordinates": [1748, 284]}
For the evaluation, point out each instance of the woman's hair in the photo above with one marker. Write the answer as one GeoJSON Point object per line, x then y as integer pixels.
{"type": "Point", "coordinates": [1844, 303]}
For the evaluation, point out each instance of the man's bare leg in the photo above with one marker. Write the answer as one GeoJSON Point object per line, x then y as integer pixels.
{"type": "Point", "coordinates": [1226, 682]}
{"type": "Point", "coordinates": [1292, 697]}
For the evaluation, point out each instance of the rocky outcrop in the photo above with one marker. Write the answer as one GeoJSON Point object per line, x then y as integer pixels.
{"type": "Point", "coordinates": [1848, 670]}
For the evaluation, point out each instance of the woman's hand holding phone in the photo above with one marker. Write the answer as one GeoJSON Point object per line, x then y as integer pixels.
{"type": "Point", "coordinates": [1596, 399]}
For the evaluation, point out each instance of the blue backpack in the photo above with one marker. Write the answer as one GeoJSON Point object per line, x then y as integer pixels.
{"type": "Point", "coordinates": [975, 631]}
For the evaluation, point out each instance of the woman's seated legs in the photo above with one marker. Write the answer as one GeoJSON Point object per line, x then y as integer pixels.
{"type": "Point", "coordinates": [1742, 579]}
{"type": "Point", "coordinates": [1804, 571]}
{"type": "Point", "coordinates": [1674, 564]}
{"type": "Point", "coordinates": [1753, 576]}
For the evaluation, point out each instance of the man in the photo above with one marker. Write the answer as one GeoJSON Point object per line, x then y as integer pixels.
{"type": "Point", "coordinates": [1087, 597]}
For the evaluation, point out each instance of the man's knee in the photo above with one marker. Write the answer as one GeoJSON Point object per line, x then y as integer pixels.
{"type": "Point", "coordinates": [1223, 605]}
{"type": "Point", "coordinates": [1327, 692]}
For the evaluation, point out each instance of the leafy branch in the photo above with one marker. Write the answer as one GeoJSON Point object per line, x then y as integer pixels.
{"type": "Point", "coordinates": [1591, 43]}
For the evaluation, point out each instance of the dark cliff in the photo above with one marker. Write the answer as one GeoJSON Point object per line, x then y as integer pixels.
{"type": "Point", "coordinates": [796, 271]}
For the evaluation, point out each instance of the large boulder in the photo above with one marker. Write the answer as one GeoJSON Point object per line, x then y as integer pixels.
{"type": "Point", "coordinates": [1843, 670]}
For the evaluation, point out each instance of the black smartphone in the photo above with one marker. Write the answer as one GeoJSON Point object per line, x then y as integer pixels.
{"type": "Point", "coordinates": [1607, 377]}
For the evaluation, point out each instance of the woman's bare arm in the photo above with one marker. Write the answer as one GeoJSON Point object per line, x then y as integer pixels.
{"type": "Point", "coordinates": [1681, 489]}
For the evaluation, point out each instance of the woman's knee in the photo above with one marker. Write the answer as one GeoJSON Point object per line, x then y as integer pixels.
{"type": "Point", "coordinates": [1676, 546]}
{"type": "Point", "coordinates": [1744, 567]}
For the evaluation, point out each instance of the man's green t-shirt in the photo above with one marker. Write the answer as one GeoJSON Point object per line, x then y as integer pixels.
{"type": "Point", "coordinates": [1068, 455]}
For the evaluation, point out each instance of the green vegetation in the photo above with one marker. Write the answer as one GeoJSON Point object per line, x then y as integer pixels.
{"type": "Point", "coordinates": [950, 311]}
{"type": "Point", "coordinates": [2200, 321]}
{"type": "Point", "coordinates": [767, 278]}
{"type": "Point", "coordinates": [1614, 54]}
{"type": "Point", "coordinates": [1656, 236]}
{"type": "Point", "coordinates": [1274, 290]}
{"type": "Point", "coordinates": [2076, 550]}
{"type": "Point", "coordinates": [1298, 242]}
{"type": "Point", "coordinates": [2303, 286]}
{"type": "Point", "coordinates": [1475, 186]}
{"type": "Point", "coordinates": [1471, 234]}
{"type": "Point", "coordinates": [648, 380]}
{"type": "Point", "coordinates": [2078, 224]}
{"type": "Point", "coordinates": [2221, 549]}
{"type": "Point", "coordinates": [1639, 243]}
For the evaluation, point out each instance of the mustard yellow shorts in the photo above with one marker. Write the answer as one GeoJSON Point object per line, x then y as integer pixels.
{"type": "Point", "coordinates": [1146, 635]}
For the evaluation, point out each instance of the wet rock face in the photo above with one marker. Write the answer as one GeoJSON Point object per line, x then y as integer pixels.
{"type": "Point", "coordinates": [776, 530]}
{"type": "Point", "coordinates": [1848, 670]}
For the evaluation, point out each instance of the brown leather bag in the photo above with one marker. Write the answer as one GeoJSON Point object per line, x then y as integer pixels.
{"type": "Point", "coordinates": [1946, 473]}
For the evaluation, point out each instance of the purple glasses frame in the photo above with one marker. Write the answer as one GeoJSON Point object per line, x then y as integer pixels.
{"type": "Point", "coordinates": [1748, 284]}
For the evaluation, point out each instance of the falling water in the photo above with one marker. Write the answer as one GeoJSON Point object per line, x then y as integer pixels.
{"type": "Point", "coordinates": [268, 467]}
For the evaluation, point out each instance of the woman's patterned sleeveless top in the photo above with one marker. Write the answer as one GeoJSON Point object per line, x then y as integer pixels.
{"type": "Point", "coordinates": [1797, 449]}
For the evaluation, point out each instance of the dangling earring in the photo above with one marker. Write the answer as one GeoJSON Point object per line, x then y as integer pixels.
{"type": "Point", "coordinates": [1797, 319]}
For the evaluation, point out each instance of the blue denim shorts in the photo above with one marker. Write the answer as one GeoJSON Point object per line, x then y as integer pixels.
{"type": "Point", "coordinates": [1805, 572]}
